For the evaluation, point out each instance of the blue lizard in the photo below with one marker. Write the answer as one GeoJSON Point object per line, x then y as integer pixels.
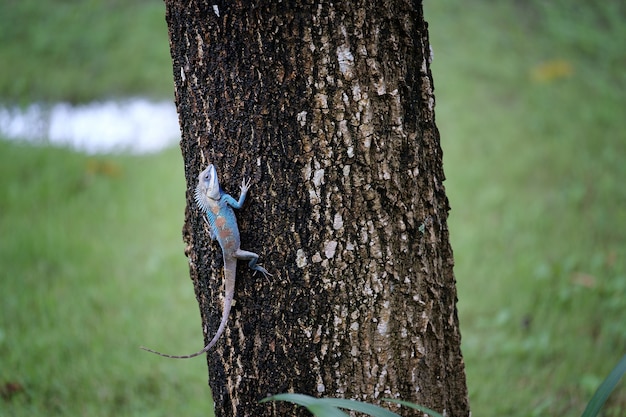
{"type": "Point", "coordinates": [218, 206]}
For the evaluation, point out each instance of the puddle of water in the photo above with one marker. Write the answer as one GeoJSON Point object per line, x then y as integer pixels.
{"type": "Point", "coordinates": [135, 125]}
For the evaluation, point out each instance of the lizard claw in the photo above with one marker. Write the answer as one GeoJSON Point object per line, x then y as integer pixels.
{"type": "Point", "coordinates": [259, 268]}
{"type": "Point", "coordinates": [245, 185]}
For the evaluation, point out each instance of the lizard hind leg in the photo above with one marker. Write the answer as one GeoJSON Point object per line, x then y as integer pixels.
{"type": "Point", "coordinates": [252, 257]}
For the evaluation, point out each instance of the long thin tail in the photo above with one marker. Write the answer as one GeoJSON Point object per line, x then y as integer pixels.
{"type": "Point", "coordinates": [229, 280]}
{"type": "Point", "coordinates": [219, 332]}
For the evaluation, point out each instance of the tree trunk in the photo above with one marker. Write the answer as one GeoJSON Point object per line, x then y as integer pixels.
{"type": "Point", "coordinates": [328, 107]}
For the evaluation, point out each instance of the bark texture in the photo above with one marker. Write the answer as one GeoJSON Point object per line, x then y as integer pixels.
{"type": "Point", "coordinates": [329, 107]}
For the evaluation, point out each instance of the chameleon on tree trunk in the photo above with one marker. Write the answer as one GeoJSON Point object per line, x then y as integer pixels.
{"type": "Point", "coordinates": [218, 206]}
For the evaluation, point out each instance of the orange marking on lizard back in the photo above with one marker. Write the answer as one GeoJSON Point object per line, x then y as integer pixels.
{"type": "Point", "coordinates": [220, 221]}
{"type": "Point", "coordinates": [229, 244]}
{"type": "Point", "coordinates": [215, 209]}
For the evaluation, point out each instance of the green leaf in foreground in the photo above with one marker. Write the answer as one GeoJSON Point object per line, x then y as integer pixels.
{"type": "Point", "coordinates": [312, 404]}
{"type": "Point", "coordinates": [329, 407]}
{"type": "Point", "coordinates": [605, 389]}
{"type": "Point", "coordinates": [414, 406]}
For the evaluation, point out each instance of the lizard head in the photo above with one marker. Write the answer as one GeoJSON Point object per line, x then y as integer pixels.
{"type": "Point", "coordinates": [208, 184]}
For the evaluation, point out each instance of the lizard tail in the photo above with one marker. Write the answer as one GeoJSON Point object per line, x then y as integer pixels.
{"type": "Point", "coordinates": [212, 343]}
{"type": "Point", "coordinates": [193, 355]}
{"type": "Point", "coordinates": [229, 295]}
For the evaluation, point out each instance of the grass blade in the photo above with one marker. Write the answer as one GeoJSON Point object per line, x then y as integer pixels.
{"type": "Point", "coordinates": [605, 389]}
{"type": "Point", "coordinates": [414, 406]}
{"type": "Point", "coordinates": [361, 407]}
{"type": "Point", "coordinates": [315, 405]}
{"type": "Point", "coordinates": [329, 407]}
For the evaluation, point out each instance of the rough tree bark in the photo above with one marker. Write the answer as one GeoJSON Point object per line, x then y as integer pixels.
{"type": "Point", "coordinates": [329, 107]}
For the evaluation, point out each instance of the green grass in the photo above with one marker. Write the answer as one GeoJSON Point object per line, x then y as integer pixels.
{"type": "Point", "coordinates": [91, 250]}
{"type": "Point", "coordinates": [83, 50]}
{"type": "Point", "coordinates": [530, 101]}
{"type": "Point", "coordinates": [530, 108]}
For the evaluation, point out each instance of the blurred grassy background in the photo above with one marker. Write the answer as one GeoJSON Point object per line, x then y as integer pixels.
{"type": "Point", "coordinates": [83, 50]}
{"type": "Point", "coordinates": [530, 104]}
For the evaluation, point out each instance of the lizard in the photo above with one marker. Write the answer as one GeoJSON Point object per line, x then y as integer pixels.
{"type": "Point", "coordinates": [217, 209]}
